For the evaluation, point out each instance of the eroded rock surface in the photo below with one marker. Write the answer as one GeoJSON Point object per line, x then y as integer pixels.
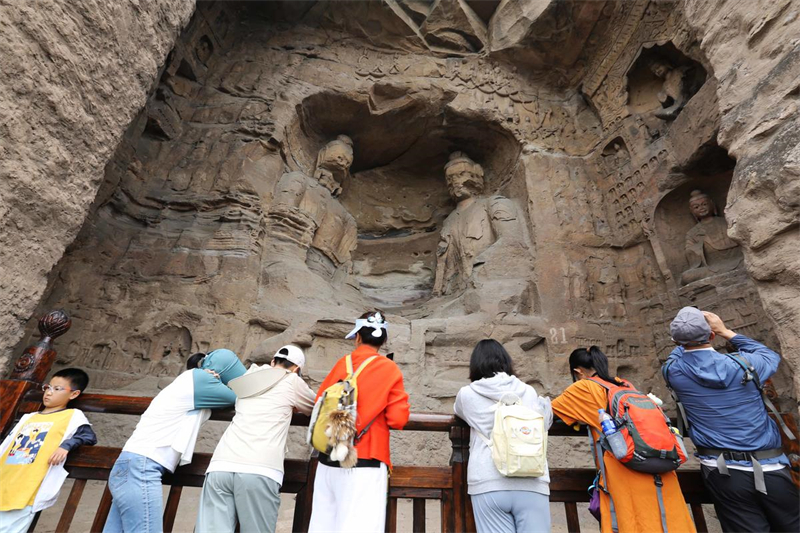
{"type": "Point", "coordinates": [75, 74]}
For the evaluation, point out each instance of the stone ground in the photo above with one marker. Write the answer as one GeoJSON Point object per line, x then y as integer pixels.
{"type": "Point", "coordinates": [185, 520]}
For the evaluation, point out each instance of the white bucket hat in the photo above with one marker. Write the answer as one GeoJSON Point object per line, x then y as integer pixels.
{"type": "Point", "coordinates": [376, 322]}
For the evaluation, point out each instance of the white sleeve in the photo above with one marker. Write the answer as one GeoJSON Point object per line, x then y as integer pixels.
{"type": "Point", "coordinates": [304, 396]}
{"type": "Point", "coordinates": [547, 410]}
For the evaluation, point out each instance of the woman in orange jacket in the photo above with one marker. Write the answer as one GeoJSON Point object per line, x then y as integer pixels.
{"type": "Point", "coordinates": [635, 507]}
{"type": "Point", "coordinates": [354, 499]}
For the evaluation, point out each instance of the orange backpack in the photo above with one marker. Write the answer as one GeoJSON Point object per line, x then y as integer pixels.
{"type": "Point", "coordinates": [653, 445]}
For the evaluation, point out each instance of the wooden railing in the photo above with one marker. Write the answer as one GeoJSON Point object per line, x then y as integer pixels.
{"type": "Point", "coordinates": [448, 484]}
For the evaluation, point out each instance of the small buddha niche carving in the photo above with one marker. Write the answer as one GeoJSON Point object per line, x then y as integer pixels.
{"type": "Point", "coordinates": [204, 49]}
{"type": "Point", "coordinates": [709, 250]}
{"type": "Point", "coordinates": [673, 94]}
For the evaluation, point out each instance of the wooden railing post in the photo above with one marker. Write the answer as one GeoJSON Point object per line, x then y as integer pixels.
{"type": "Point", "coordinates": [469, 517]}
{"type": "Point", "coordinates": [305, 497]}
{"type": "Point", "coordinates": [458, 464]}
{"type": "Point", "coordinates": [31, 367]}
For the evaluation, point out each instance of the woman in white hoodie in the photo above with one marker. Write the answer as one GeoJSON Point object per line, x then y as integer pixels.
{"type": "Point", "coordinates": [500, 504]}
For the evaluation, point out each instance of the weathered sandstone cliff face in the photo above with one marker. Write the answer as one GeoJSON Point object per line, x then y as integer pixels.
{"type": "Point", "coordinates": [754, 49]}
{"type": "Point", "coordinates": [550, 174]}
{"type": "Point", "coordinates": [74, 74]}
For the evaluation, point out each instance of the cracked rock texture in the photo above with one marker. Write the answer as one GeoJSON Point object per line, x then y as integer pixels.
{"type": "Point", "coordinates": [74, 75]}
{"type": "Point", "coordinates": [754, 49]}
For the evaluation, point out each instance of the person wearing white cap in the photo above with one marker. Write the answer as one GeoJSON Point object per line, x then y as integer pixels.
{"type": "Point", "coordinates": [721, 401]}
{"type": "Point", "coordinates": [244, 478]}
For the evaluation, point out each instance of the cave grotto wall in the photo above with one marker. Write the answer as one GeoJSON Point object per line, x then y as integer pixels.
{"type": "Point", "coordinates": [755, 53]}
{"type": "Point", "coordinates": [74, 74]}
{"type": "Point", "coordinates": [180, 251]}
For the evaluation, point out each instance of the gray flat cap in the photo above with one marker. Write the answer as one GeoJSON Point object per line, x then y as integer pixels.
{"type": "Point", "coordinates": [690, 327]}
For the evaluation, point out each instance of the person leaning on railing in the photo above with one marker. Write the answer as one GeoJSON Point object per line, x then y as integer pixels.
{"type": "Point", "coordinates": [32, 455]}
{"type": "Point", "coordinates": [244, 478]}
{"type": "Point", "coordinates": [500, 504]}
{"type": "Point", "coordinates": [631, 503]}
{"type": "Point", "coordinates": [164, 438]}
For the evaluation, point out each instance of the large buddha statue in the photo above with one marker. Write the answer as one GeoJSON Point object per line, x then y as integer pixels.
{"type": "Point", "coordinates": [310, 236]}
{"type": "Point", "coordinates": [306, 214]}
{"type": "Point", "coordinates": [709, 250]}
{"type": "Point", "coordinates": [484, 244]}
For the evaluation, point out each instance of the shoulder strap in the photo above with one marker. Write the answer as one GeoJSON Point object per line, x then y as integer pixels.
{"type": "Point", "coordinates": [361, 433]}
{"type": "Point", "coordinates": [597, 451]}
{"type": "Point", "coordinates": [487, 440]}
{"type": "Point", "coordinates": [750, 374]}
{"type": "Point", "coordinates": [348, 361]}
{"type": "Point", "coordinates": [683, 421]}
{"type": "Point", "coordinates": [660, 496]}
{"type": "Point", "coordinates": [603, 383]}
{"type": "Point", "coordinates": [362, 366]}
{"type": "Point", "coordinates": [749, 370]}
{"type": "Point", "coordinates": [607, 384]}
{"type": "Point", "coordinates": [484, 438]}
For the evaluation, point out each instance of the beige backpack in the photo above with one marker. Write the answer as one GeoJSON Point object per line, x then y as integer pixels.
{"type": "Point", "coordinates": [519, 439]}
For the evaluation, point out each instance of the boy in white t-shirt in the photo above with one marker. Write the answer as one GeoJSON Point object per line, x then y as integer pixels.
{"type": "Point", "coordinates": [32, 455]}
{"type": "Point", "coordinates": [244, 478]}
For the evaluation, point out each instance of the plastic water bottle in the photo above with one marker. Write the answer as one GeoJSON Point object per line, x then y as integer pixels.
{"type": "Point", "coordinates": [614, 438]}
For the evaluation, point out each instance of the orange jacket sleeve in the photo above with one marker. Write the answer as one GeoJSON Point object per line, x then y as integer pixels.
{"type": "Point", "coordinates": [580, 402]}
{"type": "Point", "coordinates": [397, 407]}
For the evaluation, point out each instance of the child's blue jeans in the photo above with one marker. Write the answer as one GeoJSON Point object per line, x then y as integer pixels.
{"type": "Point", "coordinates": [135, 485]}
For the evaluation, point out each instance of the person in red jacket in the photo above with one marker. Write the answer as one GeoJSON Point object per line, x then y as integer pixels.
{"type": "Point", "coordinates": [354, 499]}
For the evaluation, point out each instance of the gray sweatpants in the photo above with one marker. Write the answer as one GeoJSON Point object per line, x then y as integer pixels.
{"type": "Point", "coordinates": [511, 511]}
{"type": "Point", "coordinates": [226, 496]}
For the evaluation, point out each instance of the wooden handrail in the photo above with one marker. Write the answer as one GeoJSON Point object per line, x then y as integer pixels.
{"type": "Point", "coordinates": [136, 405]}
{"type": "Point", "coordinates": [563, 481]}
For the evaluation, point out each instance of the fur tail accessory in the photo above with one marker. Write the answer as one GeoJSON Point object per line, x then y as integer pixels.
{"type": "Point", "coordinates": [341, 432]}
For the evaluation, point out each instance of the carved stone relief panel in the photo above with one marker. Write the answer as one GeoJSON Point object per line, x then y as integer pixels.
{"type": "Point", "coordinates": [696, 245]}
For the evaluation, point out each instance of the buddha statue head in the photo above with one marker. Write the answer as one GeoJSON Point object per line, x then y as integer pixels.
{"type": "Point", "coordinates": [701, 205]}
{"type": "Point", "coordinates": [333, 163]}
{"type": "Point", "coordinates": [464, 177]}
{"type": "Point", "coordinates": [660, 68]}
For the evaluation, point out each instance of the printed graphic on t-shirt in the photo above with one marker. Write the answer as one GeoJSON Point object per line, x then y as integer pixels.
{"type": "Point", "coordinates": [27, 443]}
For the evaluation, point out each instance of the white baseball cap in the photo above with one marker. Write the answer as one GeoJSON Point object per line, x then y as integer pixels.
{"type": "Point", "coordinates": [293, 354]}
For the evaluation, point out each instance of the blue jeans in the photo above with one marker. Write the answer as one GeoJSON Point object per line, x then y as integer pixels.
{"type": "Point", "coordinates": [135, 485]}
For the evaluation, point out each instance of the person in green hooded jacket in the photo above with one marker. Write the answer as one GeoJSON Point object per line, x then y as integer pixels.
{"type": "Point", "coordinates": [164, 439]}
